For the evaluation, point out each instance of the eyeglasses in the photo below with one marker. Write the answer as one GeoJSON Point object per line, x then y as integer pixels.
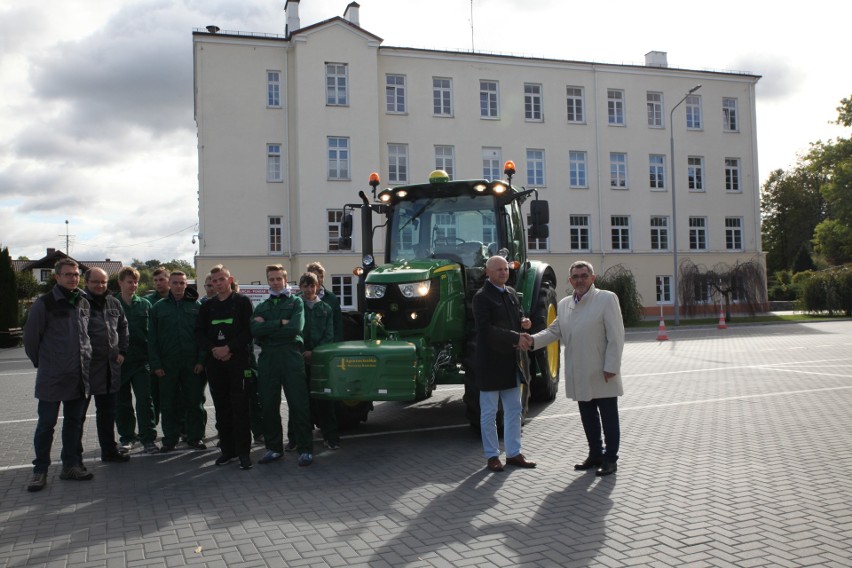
{"type": "Point", "coordinates": [580, 276]}
{"type": "Point", "coordinates": [101, 282]}
{"type": "Point", "coordinates": [70, 274]}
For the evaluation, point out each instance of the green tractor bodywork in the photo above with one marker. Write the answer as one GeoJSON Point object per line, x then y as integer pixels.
{"type": "Point", "coordinates": [417, 306]}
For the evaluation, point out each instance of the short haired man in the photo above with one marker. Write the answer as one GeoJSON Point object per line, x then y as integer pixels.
{"type": "Point", "coordinates": [501, 363]}
{"type": "Point", "coordinates": [160, 277]}
{"type": "Point", "coordinates": [177, 363]}
{"type": "Point", "coordinates": [319, 330]}
{"type": "Point", "coordinates": [109, 339]}
{"type": "Point", "coordinates": [328, 297]}
{"type": "Point", "coordinates": [56, 340]}
{"type": "Point", "coordinates": [223, 334]}
{"type": "Point", "coordinates": [589, 323]}
{"type": "Point", "coordinates": [135, 372]}
{"type": "Point", "coordinates": [276, 325]}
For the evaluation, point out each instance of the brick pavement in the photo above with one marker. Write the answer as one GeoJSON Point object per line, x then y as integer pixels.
{"type": "Point", "coordinates": [735, 452]}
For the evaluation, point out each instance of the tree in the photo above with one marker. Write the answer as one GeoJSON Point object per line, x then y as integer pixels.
{"type": "Point", "coordinates": [619, 280]}
{"type": "Point", "coordinates": [744, 282]}
{"type": "Point", "coordinates": [792, 207]}
{"type": "Point", "coordinates": [8, 302]}
{"type": "Point", "coordinates": [27, 286]}
{"type": "Point", "coordinates": [803, 261]}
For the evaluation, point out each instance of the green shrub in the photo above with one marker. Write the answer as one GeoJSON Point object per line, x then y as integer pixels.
{"type": "Point", "coordinates": [620, 280]}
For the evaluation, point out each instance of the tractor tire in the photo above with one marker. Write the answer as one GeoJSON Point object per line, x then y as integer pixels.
{"type": "Point", "coordinates": [544, 363]}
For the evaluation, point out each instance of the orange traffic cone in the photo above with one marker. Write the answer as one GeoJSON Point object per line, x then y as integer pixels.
{"type": "Point", "coordinates": [661, 335]}
{"type": "Point", "coordinates": [722, 324]}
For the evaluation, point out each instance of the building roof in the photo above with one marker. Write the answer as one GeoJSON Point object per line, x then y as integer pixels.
{"type": "Point", "coordinates": [53, 256]}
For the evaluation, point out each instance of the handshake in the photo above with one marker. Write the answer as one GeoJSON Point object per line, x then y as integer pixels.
{"type": "Point", "coordinates": [525, 342]}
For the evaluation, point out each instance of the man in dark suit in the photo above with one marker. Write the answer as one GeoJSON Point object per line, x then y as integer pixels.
{"type": "Point", "coordinates": [501, 363]}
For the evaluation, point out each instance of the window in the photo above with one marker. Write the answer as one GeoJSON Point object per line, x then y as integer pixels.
{"type": "Point", "coordinates": [615, 106]}
{"type": "Point", "coordinates": [732, 174]}
{"type": "Point", "coordinates": [491, 164]}
{"type": "Point", "coordinates": [536, 244]}
{"type": "Point", "coordinates": [273, 163]}
{"type": "Point", "coordinates": [664, 289]}
{"type": "Point", "coordinates": [532, 102]}
{"type": "Point", "coordinates": [442, 97]}
{"type": "Point", "coordinates": [698, 233]}
{"type": "Point", "coordinates": [655, 109]}
{"type": "Point", "coordinates": [45, 275]}
{"type": "Point", "coordinates": [693, 112]}
{"type": "Point", "coordinates": [620, 232]}
{"type": "Point", "coordinates": [445, 159]}
{"type": "Point", "coordinates": [577, 172]}
{"type": "Point", "coordinates": [333, 218]}
{"type": "Point", "coordinates": [398, 163]}
{"type": "Point", "coordinates": [657, 171]}
{"type": "Point", "coordinates": [445, 227]}
{"type": "Point", "coordinates": [729, 115]}
{"type": "Point", "coordinates": [733, 233]}
{"type": "Point", "coordinates": [695, 173]}
{"type": "Point", "coordinates": [659, 233]}
{"type": "Point", "coordinates": [575, 105]}
{"type": "Point", "coordinates": [273, 88]}
{"type": "Point", "coordinates": [338, 158]}
{"type": "Point", "coordinates": [579, 232]}
{"type": "Point", "coordinates": [395, 93]}
{"type": "Point", "coordinates": [276, 235]}
{"type": "Point", "coordinates": [535, 168]}
{"type": "Point", "coordinates": [343, 286]}
{"type": "Point", "coordinates": [488, 102]}
{"type": "Point", "coordinates": [336, 84]}
{"type": "Point", "coordinates": [618, 170]}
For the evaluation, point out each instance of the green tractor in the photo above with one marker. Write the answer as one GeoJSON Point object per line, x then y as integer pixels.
{"type": "Point", "coordinates": [415, 308]}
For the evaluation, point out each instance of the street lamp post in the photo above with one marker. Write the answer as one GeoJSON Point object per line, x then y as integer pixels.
{"type": "Point", "coordinates": [674, 205]}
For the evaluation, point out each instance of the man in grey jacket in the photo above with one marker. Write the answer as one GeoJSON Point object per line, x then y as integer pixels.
{"type": "Point", "coordinates": [109, 339]}
{"type": "Point", "coordinates": [57, 342]}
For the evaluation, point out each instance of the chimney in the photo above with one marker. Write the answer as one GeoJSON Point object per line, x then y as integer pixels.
{"type": "Point", "coordinates": [352, 15]}
{"type": "Point", "coordinates": [50, 251]}
{"type": "Point", "coordinates": [292, 9]}
{"type": "Point", "coordinates": [656, 59]}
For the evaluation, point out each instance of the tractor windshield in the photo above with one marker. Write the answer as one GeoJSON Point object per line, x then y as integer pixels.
{"type": "Point", "coordinates": [462, 229]}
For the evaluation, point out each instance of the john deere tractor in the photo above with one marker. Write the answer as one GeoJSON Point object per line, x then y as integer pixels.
{"type": "Point", "coordinates": [416, 305]}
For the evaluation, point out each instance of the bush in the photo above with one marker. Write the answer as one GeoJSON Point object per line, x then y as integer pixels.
{"type": "Point", "coordinates": [828, 291]}
{"type": "Point", "coordinates": [620, 280]}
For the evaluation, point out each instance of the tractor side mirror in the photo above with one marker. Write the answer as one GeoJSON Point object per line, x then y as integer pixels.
{"type": "Point", "coordinates": [346, 227]}
{"type": "Point", "coordinates": [539, 212]}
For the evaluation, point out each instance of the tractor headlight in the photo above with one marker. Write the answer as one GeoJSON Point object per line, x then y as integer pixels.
{"type": "Point", "coordinates": [375, 291]}
{"type": "Point", "coordinates": [415, 289]}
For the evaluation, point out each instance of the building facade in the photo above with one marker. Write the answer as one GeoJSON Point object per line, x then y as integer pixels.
{"type": "Point", "coordinates": [290, 128]}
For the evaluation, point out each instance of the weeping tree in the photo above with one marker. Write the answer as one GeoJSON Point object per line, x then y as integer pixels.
{"type": "Point", "coordinates": [619, 280]}
{"type": "Point", "coordinates": [702, 289]}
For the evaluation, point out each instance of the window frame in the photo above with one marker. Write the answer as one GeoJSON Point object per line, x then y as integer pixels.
{"type": "Point", "coordinates": [656, 115]}
{"type": "Point", "coordinates": [442, 97]}
{"type": "Point", "coordinates": [273, 89]}
{"type": "Point", "coordinates": [657, 172]}
{"type": "Point", "coordinates": [489, 99]}
{"type": "Point", "coordinates": [333, 219]}
{"type": "Point", "coordinates": [698, 237]}
{"type": "Point", "coordinates": [336, 84]}
{"type": "Point", "coordinates": [695, 174]}
{"type": "Point", "coordinates": [659, 225]}
{"type": "Point", "coordinates": [620, 237]}
{"type": "Point", "coordinates": [730, 115]}
{"type": "Point", "coordinates": [495, 163]}
{"type": "Point", "coordinates": [533, 102]}
{"type": "Point", "coordinates": [663, 285]}
{"type": "Point", "coordinates": [344, 287]}
{"type": "Point", "coordinates": [578, 232]}
{"type": "Point", "coordinates": [395, 94]}
{"type": "Point", "coordinates": [397, 163]}
{"type": "Point", "coordinates": [578, 98]}
{"type": "Point", "coordinates": [694, 117]}
{"type": "Point", "coordinates": [536, 168]}
{"type": "Point", "coordinates": [334, 163]}
{"type": "Point", "coordinates": [578, 168]}
{"type": "Point", "coordinates": [618, 171]}
{"type": "Point", "coordinates": [274, 160]}
{"type": "Point", "coordinates": [271, 227]}
{"type": "Point", "coordinates": [615, 107]}
{"type": "Point", "coordinates": [441, 160]}
{"type": "Point", "coordinates": [734, 234]}
{"type": "Point", "coordinates": [732, 175]}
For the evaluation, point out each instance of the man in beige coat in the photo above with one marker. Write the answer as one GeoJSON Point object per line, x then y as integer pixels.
{"type": "Point", "coordinates": [589, 324]}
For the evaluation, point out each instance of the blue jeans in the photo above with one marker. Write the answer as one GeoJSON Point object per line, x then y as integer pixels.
{"type": "Point", "coordinates": [512, 412]}
{"type": "Point", "coordinates": [597, 413]}
{"type": "Point", "coordinates": [72, 429]}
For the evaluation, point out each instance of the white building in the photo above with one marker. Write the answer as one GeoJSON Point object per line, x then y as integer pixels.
{"type": "Point", "coordinates": [290, 128]}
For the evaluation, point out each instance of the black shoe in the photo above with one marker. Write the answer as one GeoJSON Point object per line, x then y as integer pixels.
{"type": "Point", "coordinates": [197, 445]}
{"type": "Point", "coordinates": [38, 482]}
{"type": "Point", "coordinates": [223, 459]}
{"type": "Point", "coordinates": [166, 448]}
{"type": "Point", "coordinates": [117, 457]}
{"type": "Point", "coordinates": [245, 462]}
{"type": "Point", "coordinates": [607, 468]}
{"type": "Point", "coordinates": [590, 463]}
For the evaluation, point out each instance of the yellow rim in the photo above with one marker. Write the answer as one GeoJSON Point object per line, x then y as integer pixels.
{"type": "Point", "coordinates": [553, 348]}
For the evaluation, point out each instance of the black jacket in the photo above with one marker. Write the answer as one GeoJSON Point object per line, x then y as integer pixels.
{"type": "Point", "coordinates": [498, 326]}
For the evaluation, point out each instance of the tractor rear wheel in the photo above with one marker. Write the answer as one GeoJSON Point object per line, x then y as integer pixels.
{"type": "Point", "coordinates": [544, 382]}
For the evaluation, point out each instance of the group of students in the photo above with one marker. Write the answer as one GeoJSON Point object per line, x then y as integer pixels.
{"type": "Point", "coordinates": [163, 350]}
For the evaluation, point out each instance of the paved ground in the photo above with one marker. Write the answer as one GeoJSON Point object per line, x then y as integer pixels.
{"type": "Point", "coordinates": [736, 452]}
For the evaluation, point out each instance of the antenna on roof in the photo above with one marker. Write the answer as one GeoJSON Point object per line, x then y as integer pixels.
{"type": "Point", "coordinates": [471, 27]}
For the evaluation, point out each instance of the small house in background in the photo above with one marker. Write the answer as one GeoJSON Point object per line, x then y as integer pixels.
{"type": "Point", "coordinates": [42, 269]}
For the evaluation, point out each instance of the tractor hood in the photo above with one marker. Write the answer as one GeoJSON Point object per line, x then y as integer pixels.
{"type": "Point", "coordinates": [409, 271]}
